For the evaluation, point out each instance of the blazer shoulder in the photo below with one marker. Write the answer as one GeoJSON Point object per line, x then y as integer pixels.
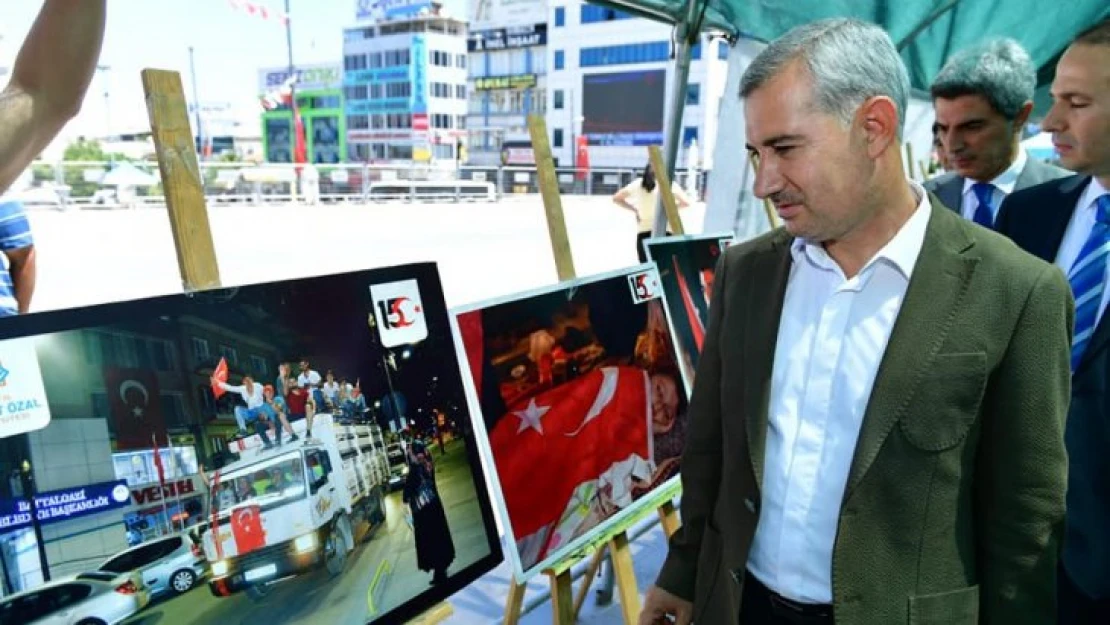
{"type": "Point", "coordinates": [934, 184]}
{"type": "Point", "coordinates": [1051, 192]}
{"type": "Point", "coordinates": [771, 241]}
{"type": "Point", "coordinates": [1038, 172]}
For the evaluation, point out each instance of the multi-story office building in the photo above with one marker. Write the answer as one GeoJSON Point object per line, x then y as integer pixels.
{"type": "Point", "coordinates": [404, 69]}
{"type": "Point", "coordinates": [508, 67]}
{"type": "Point", "coordinates": [608, 80]}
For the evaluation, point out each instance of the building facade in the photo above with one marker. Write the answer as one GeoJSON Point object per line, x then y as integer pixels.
{"type": "Point", "coordinates": [404, 79]}
{"type": "Point", "coordinates": [608, 80]}
{"type": "Point", "coordinates": [508, 78]}
{"type": "Point", "coordinates": [319, 91]}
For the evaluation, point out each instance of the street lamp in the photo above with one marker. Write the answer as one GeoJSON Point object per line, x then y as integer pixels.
{"type": "Point", "coordinates": [107, 100]}
{"type": "Point", "coordinates": [27, 480]}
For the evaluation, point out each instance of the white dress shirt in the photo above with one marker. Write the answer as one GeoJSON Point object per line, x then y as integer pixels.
{"type": "Point", "coordinates": [254, 397]}
{"type": "Point", "coordinates": [1079, 228]}
{"type": "Point", "coordinates": [832, 336]}
{"type": "Point", "coordinates": [1003, 185]}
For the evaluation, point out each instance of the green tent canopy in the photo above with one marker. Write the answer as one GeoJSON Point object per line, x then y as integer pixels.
{"type": "Point", "coordinates": [926, 32]}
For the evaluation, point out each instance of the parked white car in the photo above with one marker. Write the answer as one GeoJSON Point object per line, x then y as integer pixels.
{"type": "Point", "coordinates": [168, 565]}
{"type": "Point", "coordinates": [86, 599]}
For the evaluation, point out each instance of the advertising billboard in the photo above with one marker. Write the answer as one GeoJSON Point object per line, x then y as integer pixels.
{"type": "Point", "coordinates": [609, 121]}
{"type": "Point", "coordinates": [489, 14]}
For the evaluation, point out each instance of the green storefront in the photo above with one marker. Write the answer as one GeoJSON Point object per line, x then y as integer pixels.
{"type": "Point", "coordinates": [319, 90]}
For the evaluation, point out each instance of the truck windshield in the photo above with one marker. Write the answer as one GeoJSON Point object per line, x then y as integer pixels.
{"type": "Point", "coordinates": [268, 483]}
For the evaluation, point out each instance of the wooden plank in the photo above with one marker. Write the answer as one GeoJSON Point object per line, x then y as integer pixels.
{"type": "Point", "coordinates": [668, 518]}
{"type": "Point", "coordinates": [436, 615]}
{"type": "Point", "coordinates": [588, 579]}
{"type": "Point", "coordinates": [666, 193]}
{"type": "Point", "coordinates": [552, 203]}
{"type": "Point", "coordinates": [514, 603]}
{"type": "Point", "coordinates": [562, 599]}
{"type": "Point", "coordinates": [184, 191]}
{"type": "Point", "coordinates": [625, 575]}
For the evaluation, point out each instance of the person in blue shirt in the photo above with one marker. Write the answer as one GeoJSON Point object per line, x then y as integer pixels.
{"type": "Point", "coordinates": [48, 82]}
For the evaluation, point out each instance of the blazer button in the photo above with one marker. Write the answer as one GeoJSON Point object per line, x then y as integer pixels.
{"type": "Point", "coordinates": [749, 504]}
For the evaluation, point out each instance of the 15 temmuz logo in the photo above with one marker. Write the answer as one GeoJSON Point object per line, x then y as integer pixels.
{"type": "Point", "coordinates": [645, 286]}
{"type": "Point", "coordinates": [398, 312]}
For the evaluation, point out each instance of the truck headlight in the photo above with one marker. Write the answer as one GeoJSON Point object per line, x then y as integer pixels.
{"type": "Point", "coordinates": [219, 568]}
{"type": "Point", "coordinates": [305, 543]}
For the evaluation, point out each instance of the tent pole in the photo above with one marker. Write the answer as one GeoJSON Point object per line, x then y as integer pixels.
{"type": "Point", "coordinates": [678, 103]}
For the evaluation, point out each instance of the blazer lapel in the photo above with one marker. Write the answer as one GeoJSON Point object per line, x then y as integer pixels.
{"type": "Point", "coordinates": [763, 297]}
{"type": "Point", "coordinates": [951, 194]}
{"type": "Point", "coordinates": [936, 289]}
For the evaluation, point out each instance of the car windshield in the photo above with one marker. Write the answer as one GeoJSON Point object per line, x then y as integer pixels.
{"type": "Point", "coordinates": [267, 483]}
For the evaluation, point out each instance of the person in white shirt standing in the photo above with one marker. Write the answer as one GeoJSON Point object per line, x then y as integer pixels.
{"type": "Point", "coordinates": [875, 435]}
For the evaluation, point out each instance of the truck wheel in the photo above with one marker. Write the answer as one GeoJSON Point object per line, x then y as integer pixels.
{"type": "Point", "coordinates": [336, 548]}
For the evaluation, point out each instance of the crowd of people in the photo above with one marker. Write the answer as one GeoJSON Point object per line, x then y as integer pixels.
{"type": "Point", "coordinates": [270, 409]}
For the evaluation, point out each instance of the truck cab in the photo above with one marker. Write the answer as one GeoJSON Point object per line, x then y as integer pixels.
{"type": "Point", "coordinates": [285, 511]}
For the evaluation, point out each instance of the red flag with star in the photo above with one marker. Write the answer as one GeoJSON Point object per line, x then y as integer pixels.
{"type": "Point", "coordinates": [220, 374]}
{"type": "Point", "coordinates": [546, 446]}
{"type": "Point", "coordinates": [246, 527]}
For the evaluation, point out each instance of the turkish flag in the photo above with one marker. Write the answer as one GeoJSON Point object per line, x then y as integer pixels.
{"type": "Point", "coordinates": [546, 446]}
{"type": "Point", "coordinates": [158, 463]}
{"type": "Point", "coordinates": [220, 374]}
{"type": "Point", "coordinates": [246, 527]}
{"type": "Point", "coordinates": [136, 406]}
{"type": "Point", "coordinates": [582, 158]}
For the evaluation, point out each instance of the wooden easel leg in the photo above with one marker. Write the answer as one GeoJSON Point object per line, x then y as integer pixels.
{"type": "Point", "coordinates": [562, 599]}
{"type": "Point", "coordinates": [626, 578]}
{"type": "Point", "coordinates": [668, 518]}
{"type": "Point", "coordinates": [588, 580]}
{"type": "Point", "coordinates": [514, 603]}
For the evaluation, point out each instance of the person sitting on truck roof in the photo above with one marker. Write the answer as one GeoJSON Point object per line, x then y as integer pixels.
{"type": "Point", "coordinates": [301, 406]}
{"type": "Point", "coordinates": [276, 408]}
{"type": "Point", "coordinates": [253, 413]}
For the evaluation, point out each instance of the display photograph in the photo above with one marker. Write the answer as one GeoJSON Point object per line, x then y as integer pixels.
{"type": "Point", "coordinates": [289, 452]}
{"type": "Point", "coordinates": [582, 403]}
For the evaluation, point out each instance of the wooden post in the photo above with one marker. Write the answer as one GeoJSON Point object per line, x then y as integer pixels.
{"type": "Point", "coordinates": [181, 183]}
{"type": "Point", "coordinates": [184, 191]}
{"type": "Point", "coordinates": [668, 518]}
{"type": "Point", "coordinates": [552, 203]}
{"type": "Point", "coordinates": [666, 193]}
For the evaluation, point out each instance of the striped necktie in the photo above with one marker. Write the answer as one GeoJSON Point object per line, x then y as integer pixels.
{"type": "Point", "coordinates": [984, 215]}
{"type": "Point", "coordinates": [1087, 278]}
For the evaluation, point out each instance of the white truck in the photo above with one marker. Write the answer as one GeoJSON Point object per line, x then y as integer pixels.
{"type": "Point", "coordinates": [285, 511]}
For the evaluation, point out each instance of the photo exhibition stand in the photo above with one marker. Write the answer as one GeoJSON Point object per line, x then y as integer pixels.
{"type": "Point", "coordinates": [613, 543]}
{"type": "Point", "coordinates": [184, 191]}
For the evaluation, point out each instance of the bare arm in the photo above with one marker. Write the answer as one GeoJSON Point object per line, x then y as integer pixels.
{"type": "Point", "coordinates": [22, 271]}
{"type": "Point", "coordinates": [51, 75]}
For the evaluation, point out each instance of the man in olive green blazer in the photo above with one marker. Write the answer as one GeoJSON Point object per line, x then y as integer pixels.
{"type": "Point", "coordinates": [951, 502]}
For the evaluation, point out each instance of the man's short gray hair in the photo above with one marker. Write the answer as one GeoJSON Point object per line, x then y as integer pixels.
{"type": "Point", "coordinates": [849, 61]}
{"type": "Point", "coordinates": [999, 70]}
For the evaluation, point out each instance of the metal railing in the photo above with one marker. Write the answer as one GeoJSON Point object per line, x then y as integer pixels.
{"type": "Point", "coordinates": [78, 184]}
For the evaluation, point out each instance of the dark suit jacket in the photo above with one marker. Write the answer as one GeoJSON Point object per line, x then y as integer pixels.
{"type": "Point", "coordinates": [1036, 219]}
{"type": "Point", "coordinates": [949, 188]}
{"type": "Point", "coordinates": [954, 504]}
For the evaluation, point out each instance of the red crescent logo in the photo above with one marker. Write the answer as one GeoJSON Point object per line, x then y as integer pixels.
{"type": "Point", "coordinates": [395, 309]}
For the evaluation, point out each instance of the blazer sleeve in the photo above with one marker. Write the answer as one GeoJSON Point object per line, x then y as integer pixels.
{"type": "Point", "coordinates": [701, 457]}
{"type": "Point", "coordinates": [1022, 464]}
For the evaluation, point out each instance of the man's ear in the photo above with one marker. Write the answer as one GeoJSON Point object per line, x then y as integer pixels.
{"type": "Point", "coordinates": [878, 117]}
{"type": "Point", "coordinates": [1022, 117]}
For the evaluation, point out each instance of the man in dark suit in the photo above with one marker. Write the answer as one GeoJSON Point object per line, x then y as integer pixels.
{"type": "Point", "coordinates": [1064, 221]}
{"type": "Point", "coordinates": [876, 429]}
{"type": "Point", "coordinates": [982, 98]}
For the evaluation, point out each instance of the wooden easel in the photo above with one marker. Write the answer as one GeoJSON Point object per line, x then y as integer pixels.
{"type": "Point", "coordinates": [184, 191]}
{"type": "Point", "coordinates": [615, 542]}
{"type": "Point", "coordinates": [666, 193]}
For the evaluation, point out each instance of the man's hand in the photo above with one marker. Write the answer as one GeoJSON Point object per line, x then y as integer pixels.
{"type": "Point", "coordinates": [663, 608]}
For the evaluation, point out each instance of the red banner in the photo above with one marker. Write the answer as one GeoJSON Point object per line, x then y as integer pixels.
{"type": "Point", "coordinates": [220, 374]}
{"type": "Point", "coordinates": [136, 406]}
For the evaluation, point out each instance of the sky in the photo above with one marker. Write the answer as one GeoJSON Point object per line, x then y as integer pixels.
{"type": "Point", "coordinates": [229, 47]}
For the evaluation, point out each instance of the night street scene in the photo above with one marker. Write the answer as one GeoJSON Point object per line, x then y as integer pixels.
{"type": "Point", "coordinates": [293, 452]}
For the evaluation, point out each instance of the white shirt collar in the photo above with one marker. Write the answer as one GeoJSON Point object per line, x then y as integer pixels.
{"type": "Point", "coordinates": [1007, 180]}
{"type": "Point", "coordinates": [901, 251]}
{"type": "Point", "coordinates": [1094, 191]}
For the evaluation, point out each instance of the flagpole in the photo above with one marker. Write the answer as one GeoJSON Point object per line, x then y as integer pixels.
{"type": "Point", "coordinates": [176, 490]}
{"type": "Point", "coordinates": [161, 480]}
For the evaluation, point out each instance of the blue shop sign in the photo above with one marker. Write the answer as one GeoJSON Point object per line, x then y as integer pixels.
{"type": "Point", "coordinates": [368, 76]}
{"type": "Point", "coordinates": [64, 505]}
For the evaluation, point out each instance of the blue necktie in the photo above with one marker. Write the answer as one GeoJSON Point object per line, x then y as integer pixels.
{"type": "Point", "coordinates": [984, 216]}
{"type": "Point", "coordinates": [1087, 277]}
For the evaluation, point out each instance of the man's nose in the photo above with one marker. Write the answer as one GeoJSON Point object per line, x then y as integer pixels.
{"type": "Point", "coordinates": [768, 181]}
